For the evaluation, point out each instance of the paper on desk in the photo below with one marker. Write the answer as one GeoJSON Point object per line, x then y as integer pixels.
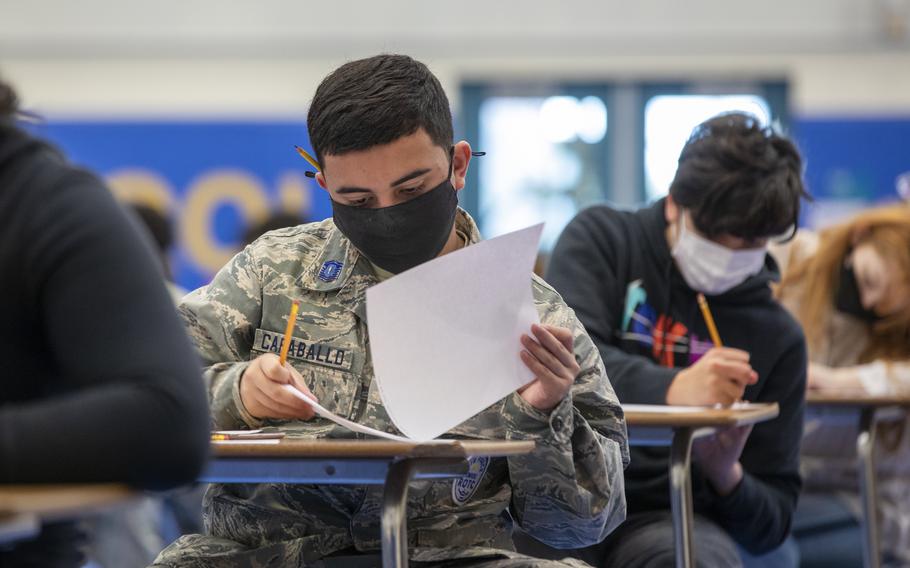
{"type": "Point", "coordinates": [325, 413]}
{"type": "Point", "coordinates": [445, 336]}
{"type": "Point", "coordinates": [668, 409]}
{"type": "Point", "coordinates": [266, 442]}
{"type": "Point", "coordinates": [663, 409]}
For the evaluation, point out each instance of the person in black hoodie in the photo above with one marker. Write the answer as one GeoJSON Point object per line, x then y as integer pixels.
{"type": "Point", "coordinates": [632, 278]}
{"type": "Point", "coordinates": [99, 382]}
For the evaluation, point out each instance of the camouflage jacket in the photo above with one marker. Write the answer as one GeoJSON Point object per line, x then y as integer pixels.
{"type": "Point", "coordinates": [568, 493]}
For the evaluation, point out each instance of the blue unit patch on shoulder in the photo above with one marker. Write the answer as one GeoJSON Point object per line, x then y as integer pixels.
{"type": "Point", "coordinates": [330, 270]}
{"type": "Point", "coordinates": [463, 488]}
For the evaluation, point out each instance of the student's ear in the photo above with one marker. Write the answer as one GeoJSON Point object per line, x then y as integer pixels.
{"type": "Point", "coordinates": [461, 157]}
{"type": "Point", "coordinates": [671, 210]}
{"type": "Point", "coordinates": [320, 179]}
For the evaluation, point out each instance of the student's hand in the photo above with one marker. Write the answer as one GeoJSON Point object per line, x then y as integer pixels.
{"type": "Point", "coordinates": [719, 377]}
{"type": "Point", "coordinates": [263, 396]}
{"type": "Point", "coordinates": [718, 457]}
{"type": "Point", "coordinates": [552, 360]}
{"type": "Point", "coordinates": [823, 377]}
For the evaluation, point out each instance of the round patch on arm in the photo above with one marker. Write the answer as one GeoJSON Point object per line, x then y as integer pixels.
{"type": "Point", "coordinates": [330, 270]}
{"type": "Point", "coordinates": [463, 488]}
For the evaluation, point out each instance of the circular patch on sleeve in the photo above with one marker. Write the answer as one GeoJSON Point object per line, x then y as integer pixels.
{"type": "Point", "coordinates": [463, 488]}
{"type": "Point", "coordinates": [330, 270]}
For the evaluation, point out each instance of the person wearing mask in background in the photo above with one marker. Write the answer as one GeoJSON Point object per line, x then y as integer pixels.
{"type": "Point", "coordinates": [382, 131]}
{"type": "Point", "coordinates": [100, 382]}
{"type": "Point", "coordinates": [632, 279]}
{"type": "Point", "coordinates": [849, 285]}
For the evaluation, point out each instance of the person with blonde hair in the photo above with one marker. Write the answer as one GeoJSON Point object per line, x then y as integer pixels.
{"type": "Point", "coordinates": [849, 286]}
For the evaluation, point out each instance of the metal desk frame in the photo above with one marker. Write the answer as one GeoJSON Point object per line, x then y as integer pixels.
{"type": "Point", "coordinates": [394, 472]}
{"type": "Point", "coordinates": [866, 408]}
{"type": "Point", "coordinates": [679, 432]}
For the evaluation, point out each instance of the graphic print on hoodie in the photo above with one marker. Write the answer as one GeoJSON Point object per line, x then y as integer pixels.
{"type": "Point", "coordinates": [666, 340]}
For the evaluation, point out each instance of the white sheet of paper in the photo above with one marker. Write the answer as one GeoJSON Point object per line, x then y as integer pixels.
{"type": "Point", "coordinates": [663, 409]}
{"type": "Point", "coordinates": [666, 409]}
{"type": "Point", "coordinates": [445, 336]}
{"type": "Point", "coordinates": [266, 442]}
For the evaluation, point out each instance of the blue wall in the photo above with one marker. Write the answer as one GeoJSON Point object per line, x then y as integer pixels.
{"type": "Point", "coordinates": [853, 161]}
{"type": "Point", "coordinates": [214, 177]}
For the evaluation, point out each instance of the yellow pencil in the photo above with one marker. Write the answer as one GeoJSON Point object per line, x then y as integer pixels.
{"type": "Point", "coordinates": [306, 156]}
{"type": "Point", "coordinates": [709, 320]}
{"type": "Point", "coordinates": [288, 332]}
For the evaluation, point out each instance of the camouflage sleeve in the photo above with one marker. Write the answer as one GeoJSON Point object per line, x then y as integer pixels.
{"type": "Point", "coordinates": [221, 319]}
{"type": "Point", "coordinates": [569, 492]}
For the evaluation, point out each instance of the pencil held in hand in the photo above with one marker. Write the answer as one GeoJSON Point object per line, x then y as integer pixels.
{"type": "Point", "coordinates": [709, 320]}
{"type": "Point", "coordinates": [288, 332]}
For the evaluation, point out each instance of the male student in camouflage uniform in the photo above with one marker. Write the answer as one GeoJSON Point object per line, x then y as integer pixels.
{"type": "Point", "coordinates": [382, 131]}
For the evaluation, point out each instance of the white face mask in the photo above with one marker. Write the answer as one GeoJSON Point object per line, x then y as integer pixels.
{"type": "Point", "coordinates": [712, 268]}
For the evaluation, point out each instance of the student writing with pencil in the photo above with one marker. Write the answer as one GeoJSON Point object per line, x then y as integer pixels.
{"type": "Point", "coordinates": [381, 131]}
{"type": "Point", "coordinates": [633, 278]}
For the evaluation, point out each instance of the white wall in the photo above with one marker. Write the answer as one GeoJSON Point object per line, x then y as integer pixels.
{"type": "Point", "coordinates": [211, 58]}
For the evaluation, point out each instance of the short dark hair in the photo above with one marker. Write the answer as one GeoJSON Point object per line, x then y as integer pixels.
{"type": "Point", "coordinates": [738, 177]}
{"type": "Point", "coordinates": [158, 229]}
{"type": "Point", "coordinates": [9, 102]}
{"type": "Point", "coordinates": [375, 101]}
{"type": "Point", "coordinates": [159, 226]}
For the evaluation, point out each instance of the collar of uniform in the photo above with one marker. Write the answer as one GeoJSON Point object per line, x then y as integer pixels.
{"type": "Point", "coordinates": [338, 248]}
{"type": "Point", "coordinates": [465, 223]}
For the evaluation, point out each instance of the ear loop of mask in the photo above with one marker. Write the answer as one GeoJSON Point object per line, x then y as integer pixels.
{"type": "Point", "coordinates": [312, 161]}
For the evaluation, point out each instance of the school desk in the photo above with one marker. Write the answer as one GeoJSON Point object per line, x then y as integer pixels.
{"type": "Point", "coordinates": [677, 427]}
{"type": "Point", "coordinates": [864, 409]}
{"type": "Point", "coordinates": [355, 462]}
{"type": "Point", "coordinates": [24, 508]}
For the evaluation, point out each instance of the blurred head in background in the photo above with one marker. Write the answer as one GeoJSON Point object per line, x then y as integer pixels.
{"type": "Point", "coordinates": [9, 102]}
{"type": "Point", "coordinates": [273, 222]}
{"type": "Point", "coordinates": [11, 105]}
{"type": "Point", "coordinates": [158, 229]}
{"type": "Point", "coordinates": [161, 230]}
{"type": "Point", "coordinates": [861, 268]}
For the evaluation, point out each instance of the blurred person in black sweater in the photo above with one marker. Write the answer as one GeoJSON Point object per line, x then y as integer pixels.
{"type": "Point", "coordinates": [99, 381]}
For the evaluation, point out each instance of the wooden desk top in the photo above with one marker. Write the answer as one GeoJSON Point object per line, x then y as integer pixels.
{"type": "Point", "coordinates": [52, 502]}
{"type": "Point", "coordinates": [707, 417]}
{"type": "Point", "coordinates": [854, 399]}
{"type": "Point", "coordinates": [365, 449]}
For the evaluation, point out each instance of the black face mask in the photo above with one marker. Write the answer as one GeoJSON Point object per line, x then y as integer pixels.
{"type": "Point", "coordinates": [847, 298]}
{"type": "Point", "coordinates": [402, 236]}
